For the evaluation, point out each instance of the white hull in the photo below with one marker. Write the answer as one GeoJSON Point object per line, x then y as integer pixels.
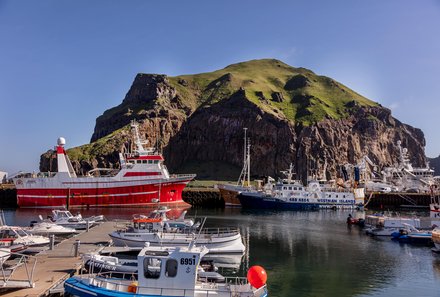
{"type": "Point", "coordinates": [381, 231]}
{"type": "Point", "coordinates": [45, 228]}
{"type": "Point", "coordinates": [216, 244]}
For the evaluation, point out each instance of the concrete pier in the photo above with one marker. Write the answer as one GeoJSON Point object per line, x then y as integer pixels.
{"type": "Point", "coordinates": [53, 267]}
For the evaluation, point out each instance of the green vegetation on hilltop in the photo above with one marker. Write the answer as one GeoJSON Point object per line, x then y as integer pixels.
{"type": "Point", "coordinates": [299, 94]}
{"type": "Point", "coordinates": [102, 146]}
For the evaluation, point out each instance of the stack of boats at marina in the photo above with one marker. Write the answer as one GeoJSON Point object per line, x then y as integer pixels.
{"type": "Point", "coordinates": [402, 229]}
{"type": "Point", "coordinates": [14, 239]}
{"type": "Point", "coordinates": [348, 192]}
{"type": "Point", "coordinates": [175, 257]}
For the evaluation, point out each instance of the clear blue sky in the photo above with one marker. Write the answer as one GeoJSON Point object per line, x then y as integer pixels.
{"type": "Point", "coordinates": [63, 63]}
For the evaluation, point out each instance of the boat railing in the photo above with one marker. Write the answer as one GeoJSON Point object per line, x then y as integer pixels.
{"type": "Point", "coordinates": [125, 283]}
{"type": "Point", "coordinates": [226, 231]}
{"type": "Point", "coordinates": [182, 175]}
{"type": "Point", "coordinates": [36, 175]}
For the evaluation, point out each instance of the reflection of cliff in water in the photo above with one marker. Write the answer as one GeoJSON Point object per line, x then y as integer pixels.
{"type": "Point", "coordinates": [308, 256]}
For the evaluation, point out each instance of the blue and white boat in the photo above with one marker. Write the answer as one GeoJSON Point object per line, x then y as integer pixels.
{"type": "Point", "coordinates": [410, 234]}
{"type": "Point", "coordinates": [289, 194]}
{"type": "Point", "coordinates": [165, 272]}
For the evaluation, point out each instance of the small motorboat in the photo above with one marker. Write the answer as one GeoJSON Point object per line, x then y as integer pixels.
{"type": "Point", "coordinates": [410, 234]}
{"type": "Point", "coordinates": [158, 232]}
{"type": "Point", "coordinates": [380, 225]}
{"type": "Point", "coordinates": [168, 272]}
{"type": "Point", "coordinates": [19, 236]}
{"type": "Point", "coordinates": [47, 227]}
{"type": "Point", "coordinates": [66, 219]}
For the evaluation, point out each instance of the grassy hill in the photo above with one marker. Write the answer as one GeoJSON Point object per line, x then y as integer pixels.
{"type": "Point", "coordinates": [297, 93]}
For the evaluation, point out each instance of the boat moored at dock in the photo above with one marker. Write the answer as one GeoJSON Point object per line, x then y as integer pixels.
{"type": "Point", "coordinates": [168, 272]}
{"type": "Point", "coordinates": [143, 179]}
{"type": "Point", "coordinates": [159, 232]}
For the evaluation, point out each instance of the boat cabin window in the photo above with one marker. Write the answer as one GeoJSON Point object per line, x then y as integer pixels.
{"type": "Point", "coordinates": [144, 161]}
{"type": "Point", "coordinates": [152, 267]}
{"type": "Point", "coordinates": [150, 161]}
{"type": "Point", "coordinates": [156, 161]}
{"type": "Point", "coordinates": [171, 268]}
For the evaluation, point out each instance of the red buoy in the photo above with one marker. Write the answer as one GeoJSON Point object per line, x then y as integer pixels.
{"type": "Point", "coordinates": [257, 276]}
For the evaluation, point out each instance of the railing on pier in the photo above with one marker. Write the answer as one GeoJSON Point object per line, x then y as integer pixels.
{"type": "Point", "coordinates": [7, 272]}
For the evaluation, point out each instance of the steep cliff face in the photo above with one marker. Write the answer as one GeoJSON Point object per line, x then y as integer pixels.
{"type": "Point", "coordinates": [292, 115]}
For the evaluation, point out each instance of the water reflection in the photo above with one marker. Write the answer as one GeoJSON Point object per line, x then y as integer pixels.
{"type": "Point", "coordinates": [313, 253]}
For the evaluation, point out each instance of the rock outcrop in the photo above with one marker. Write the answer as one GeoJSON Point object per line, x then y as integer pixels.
{"type": "Point", "coordinates": [292, 116]}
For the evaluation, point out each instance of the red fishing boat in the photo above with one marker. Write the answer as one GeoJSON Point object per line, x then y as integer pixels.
{"type": "Point", "coordinates": [142, 180]}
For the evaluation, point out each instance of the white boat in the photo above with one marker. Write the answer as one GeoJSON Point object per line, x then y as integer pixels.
{"type": "Point", "coordinates": [406, 177]}
{"type": "Point", "coordinates": [159, 232]}
{"type": "Point", "coordinates": [47, 227]}
{"type": "Point", "coordinates": [66, 219]}
{"type": "Point", "coordinates": [380, 225]}
{"type": "Point", "coordinates": [291, 194]}
{"type": "Point", "coordinates": [19, 236]}
{"type": "Point", "coordinates": [168, 272]}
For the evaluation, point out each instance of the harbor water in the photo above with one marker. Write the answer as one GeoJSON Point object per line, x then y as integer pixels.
{"type": "Point", "coordinates": [310, 254]}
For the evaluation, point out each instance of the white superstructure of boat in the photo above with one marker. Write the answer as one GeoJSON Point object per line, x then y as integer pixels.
{"type": "Point", "coordinates": [66, 219]}
{"type": "Point", "coordinates": [47, 227]}
{"type": "Point", "coordinates": [381, 225]}
{"type": "Point", "coordinates": [158, 232]}
{"type": "Point", "coordinates": [20, 236]}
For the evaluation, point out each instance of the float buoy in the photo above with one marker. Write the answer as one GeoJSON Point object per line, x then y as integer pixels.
{"type": "Point", "coordinates": [257, 276]}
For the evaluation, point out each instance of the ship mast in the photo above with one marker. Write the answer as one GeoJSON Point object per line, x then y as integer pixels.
{"type": "Point", "coordinates": [244, 179]}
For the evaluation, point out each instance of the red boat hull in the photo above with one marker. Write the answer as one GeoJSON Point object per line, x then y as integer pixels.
{"type": "Point", "coordinates": [127, 196]}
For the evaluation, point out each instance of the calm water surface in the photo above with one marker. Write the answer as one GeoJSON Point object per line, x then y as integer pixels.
{"type": "Point", "coordinates": [312, 253]}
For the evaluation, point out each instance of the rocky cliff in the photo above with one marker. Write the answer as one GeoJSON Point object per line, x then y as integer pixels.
{"type": "Point", "coordinates": [292, 115]}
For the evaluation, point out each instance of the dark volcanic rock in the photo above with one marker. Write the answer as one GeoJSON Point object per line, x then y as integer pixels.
{"type": "Point", "coordinates": [296, 82]}
{"type": "Point", "coordinates": [199, 120]}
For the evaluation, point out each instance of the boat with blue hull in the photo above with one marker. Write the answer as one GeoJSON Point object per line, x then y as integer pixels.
{"type": "Point", "coordinates": [168, 272]}
{"type": "Point", "coordinates": [257, 201]}
{"type": "Point", "coordinates": [290, 194]}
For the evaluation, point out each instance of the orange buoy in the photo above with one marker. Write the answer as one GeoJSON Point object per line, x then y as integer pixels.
{"type": "Point", "coordinates": [132, 287]}
{"type": "Point", "coordinates": [257, 276]}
